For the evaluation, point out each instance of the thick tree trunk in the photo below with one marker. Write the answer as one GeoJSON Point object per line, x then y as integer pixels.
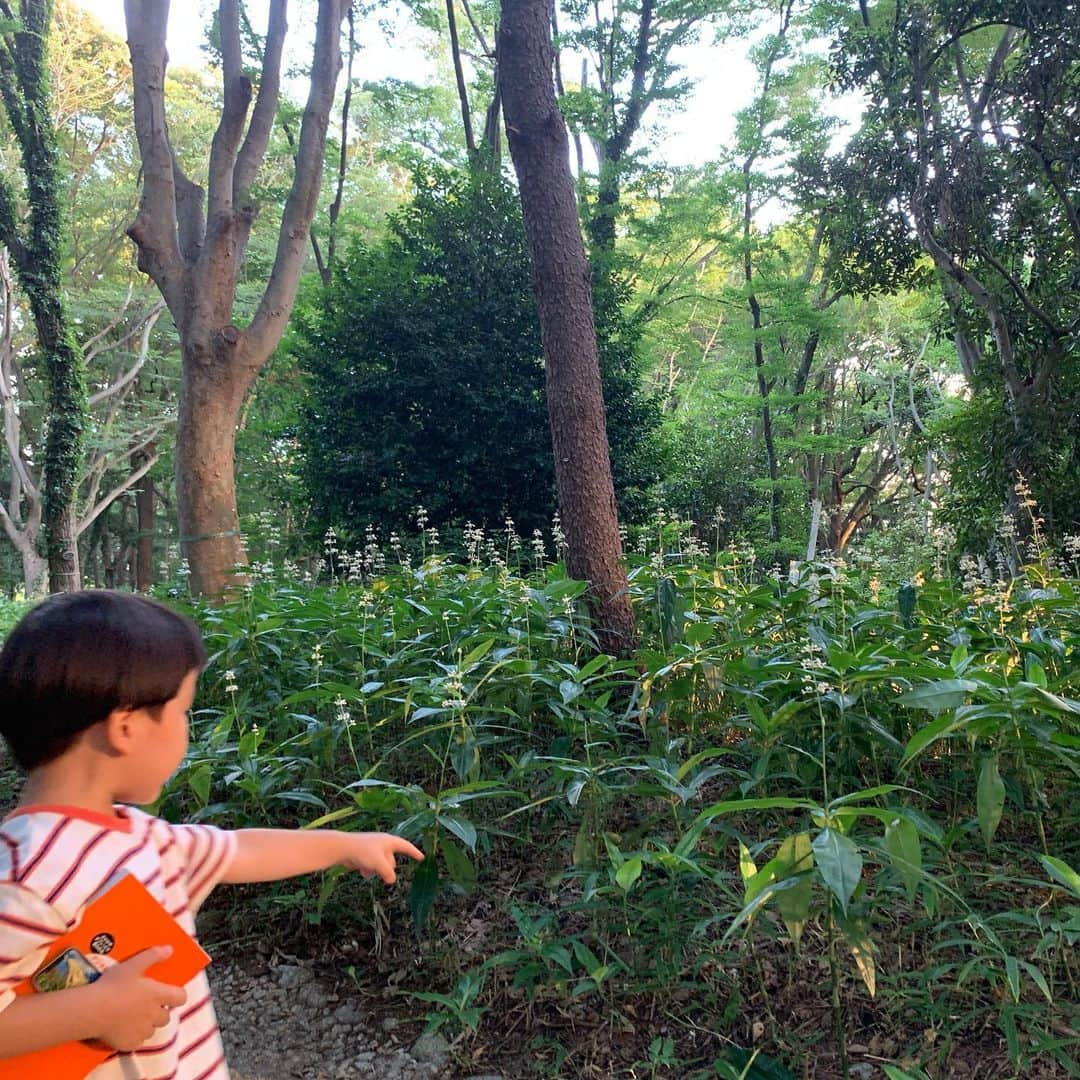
{"type": "Point", "coordinates": [205, 477]}
{"type": "Point", "coordinates": [540, 151]}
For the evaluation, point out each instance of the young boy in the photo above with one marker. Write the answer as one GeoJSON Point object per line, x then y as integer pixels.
{"type": "Point", "coordinates": [95, 689]}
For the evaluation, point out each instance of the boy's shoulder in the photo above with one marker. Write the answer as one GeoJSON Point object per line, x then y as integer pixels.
{"type": "Point", "coordinates": [59, 852]}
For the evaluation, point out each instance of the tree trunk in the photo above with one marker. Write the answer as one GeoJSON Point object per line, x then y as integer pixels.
{"type": "Point", "coordinates": [206, 424]}
{"type": "Point", "coordinates": [34, 568]}
{"type": "Point", "coordinates": [192, 244]}
{"type": "Point", "coordinates": [459, 77]}
{"type": "Point", "coordinates": [144, 513]}
{"type": "Point", "coordinates": [815, 525]}
{"type": "Point", "coordinates": [771, 461]}
{"type": "Point", "coordinates": [540, 151]}
{"type": "Point", "coordinates": [64, 441]}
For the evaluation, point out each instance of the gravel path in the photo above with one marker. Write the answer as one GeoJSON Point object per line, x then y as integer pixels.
{"type": "Point", "coordinates": [284, 1023]}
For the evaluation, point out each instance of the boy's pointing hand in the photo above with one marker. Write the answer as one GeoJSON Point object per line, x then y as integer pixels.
{"type": "Point", "coordinates": [374, 853]}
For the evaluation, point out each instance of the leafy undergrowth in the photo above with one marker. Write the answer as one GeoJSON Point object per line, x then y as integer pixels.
{"type": "Point", "coordinates": [811, 821]}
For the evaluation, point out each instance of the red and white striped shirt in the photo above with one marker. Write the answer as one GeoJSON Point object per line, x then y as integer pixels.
{"type": "Point", "coordinates": [53, 859]}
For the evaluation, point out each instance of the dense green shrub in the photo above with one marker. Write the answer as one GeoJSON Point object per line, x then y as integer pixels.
{"type": "Point", "coordinates": [426, 372]}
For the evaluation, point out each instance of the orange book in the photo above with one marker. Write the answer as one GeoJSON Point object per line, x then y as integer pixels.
{"type": "Point", "coordinates": [122, 921]}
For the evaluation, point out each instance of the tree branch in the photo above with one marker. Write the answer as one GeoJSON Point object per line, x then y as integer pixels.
{"type": "Point", "coordinates": [638, 101]}
{"type": "Point", "coordinates": [343, 157]}
{"type": "Point", "coordinates": [148, 323]}
{"type": "Point", "coordinates": [459, 78]}
{"type": "Point", "coordinates": [154, 230]}
{"type": "Point", "coordinates": [115, 494]}
{"type": "Point", "coordinates": [487, 50]}
{"type": "Point", "coordinates": [251, 154]}
{"type": "Point", "coordinates": [268, 325]}
{"type": "Point", "coordinates": [1021, 293]}
{"type": "Point", "coordinates": [236, 87]}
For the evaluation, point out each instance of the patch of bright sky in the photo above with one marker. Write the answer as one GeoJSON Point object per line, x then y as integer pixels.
{"type": "Point", "coordinates": [699, 131]}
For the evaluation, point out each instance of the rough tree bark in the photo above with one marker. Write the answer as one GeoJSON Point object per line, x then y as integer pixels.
{"type": "Point", "coordinates": [37, 249]}
{"type": "Point", "coordinates": [192, 242]}
{"type": "Point", "coordinates": [540, 151]}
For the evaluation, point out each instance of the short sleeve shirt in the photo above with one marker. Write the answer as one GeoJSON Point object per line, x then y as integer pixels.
{"type": "Point", "coordinates": [54, 859]}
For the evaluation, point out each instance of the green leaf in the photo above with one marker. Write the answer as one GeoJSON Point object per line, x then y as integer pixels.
{"type": "Point", "coordinates": [862, 950]}
{"type": "Point", "coordinates": [840, 864]}
{"type": "Point", "coordinates": [990, 799]}
{"type": "Point", "coordinates": [747, 869]}
{"type": "Point", "coordinates": [425, 886]}
{"type": "Point", "coordinates": [628, 873]}
{"type": "Point", "coordinates": [905, 850]}
{"type": "Point", "coordinates": [1035, 672]}
{"type": "Point", "coordinates": [755, 1065]}
{"type": "Point", "coordinates": [739, 806]}
{"type": "Point", "coordinates": [340, 814]}
{"type": "Point", "coordinates": [866, 794]}
{"type": "Point", "coordinates": [569, 690]}
{"type": "Point", "coordinates": [698, 633]}
{"type": "Point", "coordinates": [936, 729]}
{"type": "Point", "coordinates": [1038, 979]}
{"type": "Point", "coordinates": [199, 782]}
{"type": "Point", "coordinates": [936, 697]}
{"type": "Point", "coordinates": [1055, 701]}
{"type": "Point", "coordinates": [757, 903]}
{"type": "Point", "coordinates": [583, 846]}
{"type": "Point", "coordinates": [796, 858]}
{"type": "Point", "coordinates": [586, 957]}
{"type": "Point", "coordinates": [458, 865]}
{"type": "Point", "coordinates": [464, 830]}
{"type": "Point", "coordinates": [1062, 873]}
{"type": "Point", "coordinates": [1012, 974]}
{"type": "Point", "coordinates": [769, 873]}
{"type": "Point", "coordinates": [906, 599]}
{"type": "Point", "coordinates": [480, 651]}
{"type": "Point", "coordinates": [895, 1073]}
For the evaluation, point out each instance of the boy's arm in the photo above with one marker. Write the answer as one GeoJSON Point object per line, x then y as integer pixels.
{"type": "Point", "coordinates": [272, 854]}
{"type": "Point", "coordinates": [122, 1009]}
{"type": "Point", "coordinates": [34, 1021]}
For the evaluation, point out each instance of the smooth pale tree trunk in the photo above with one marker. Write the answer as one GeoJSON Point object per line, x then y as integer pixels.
{"type": "Point", "coordinates": [815, 524]}
{"type": "Point", "coordinates": [541, 154]}
{"type": "Point", "coordinates": [144, 549]}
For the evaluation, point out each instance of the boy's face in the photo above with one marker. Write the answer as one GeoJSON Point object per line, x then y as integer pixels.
{"type": "Point", "coordinates": [160, 742]}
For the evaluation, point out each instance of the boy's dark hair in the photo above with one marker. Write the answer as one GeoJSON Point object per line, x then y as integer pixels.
{"type": "Point", "coordinates": [76, 657]}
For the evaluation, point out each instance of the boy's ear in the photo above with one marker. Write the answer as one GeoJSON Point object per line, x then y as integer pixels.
{"type": "Point", "coordinates": [119, 729]}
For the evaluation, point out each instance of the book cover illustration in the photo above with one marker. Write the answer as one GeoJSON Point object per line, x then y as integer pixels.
{"type": "Point", "coordinates": [122, 921]}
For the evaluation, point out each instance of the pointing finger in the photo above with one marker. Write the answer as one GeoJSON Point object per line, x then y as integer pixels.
{"type": "Point", "coordinates": [400, 846]}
